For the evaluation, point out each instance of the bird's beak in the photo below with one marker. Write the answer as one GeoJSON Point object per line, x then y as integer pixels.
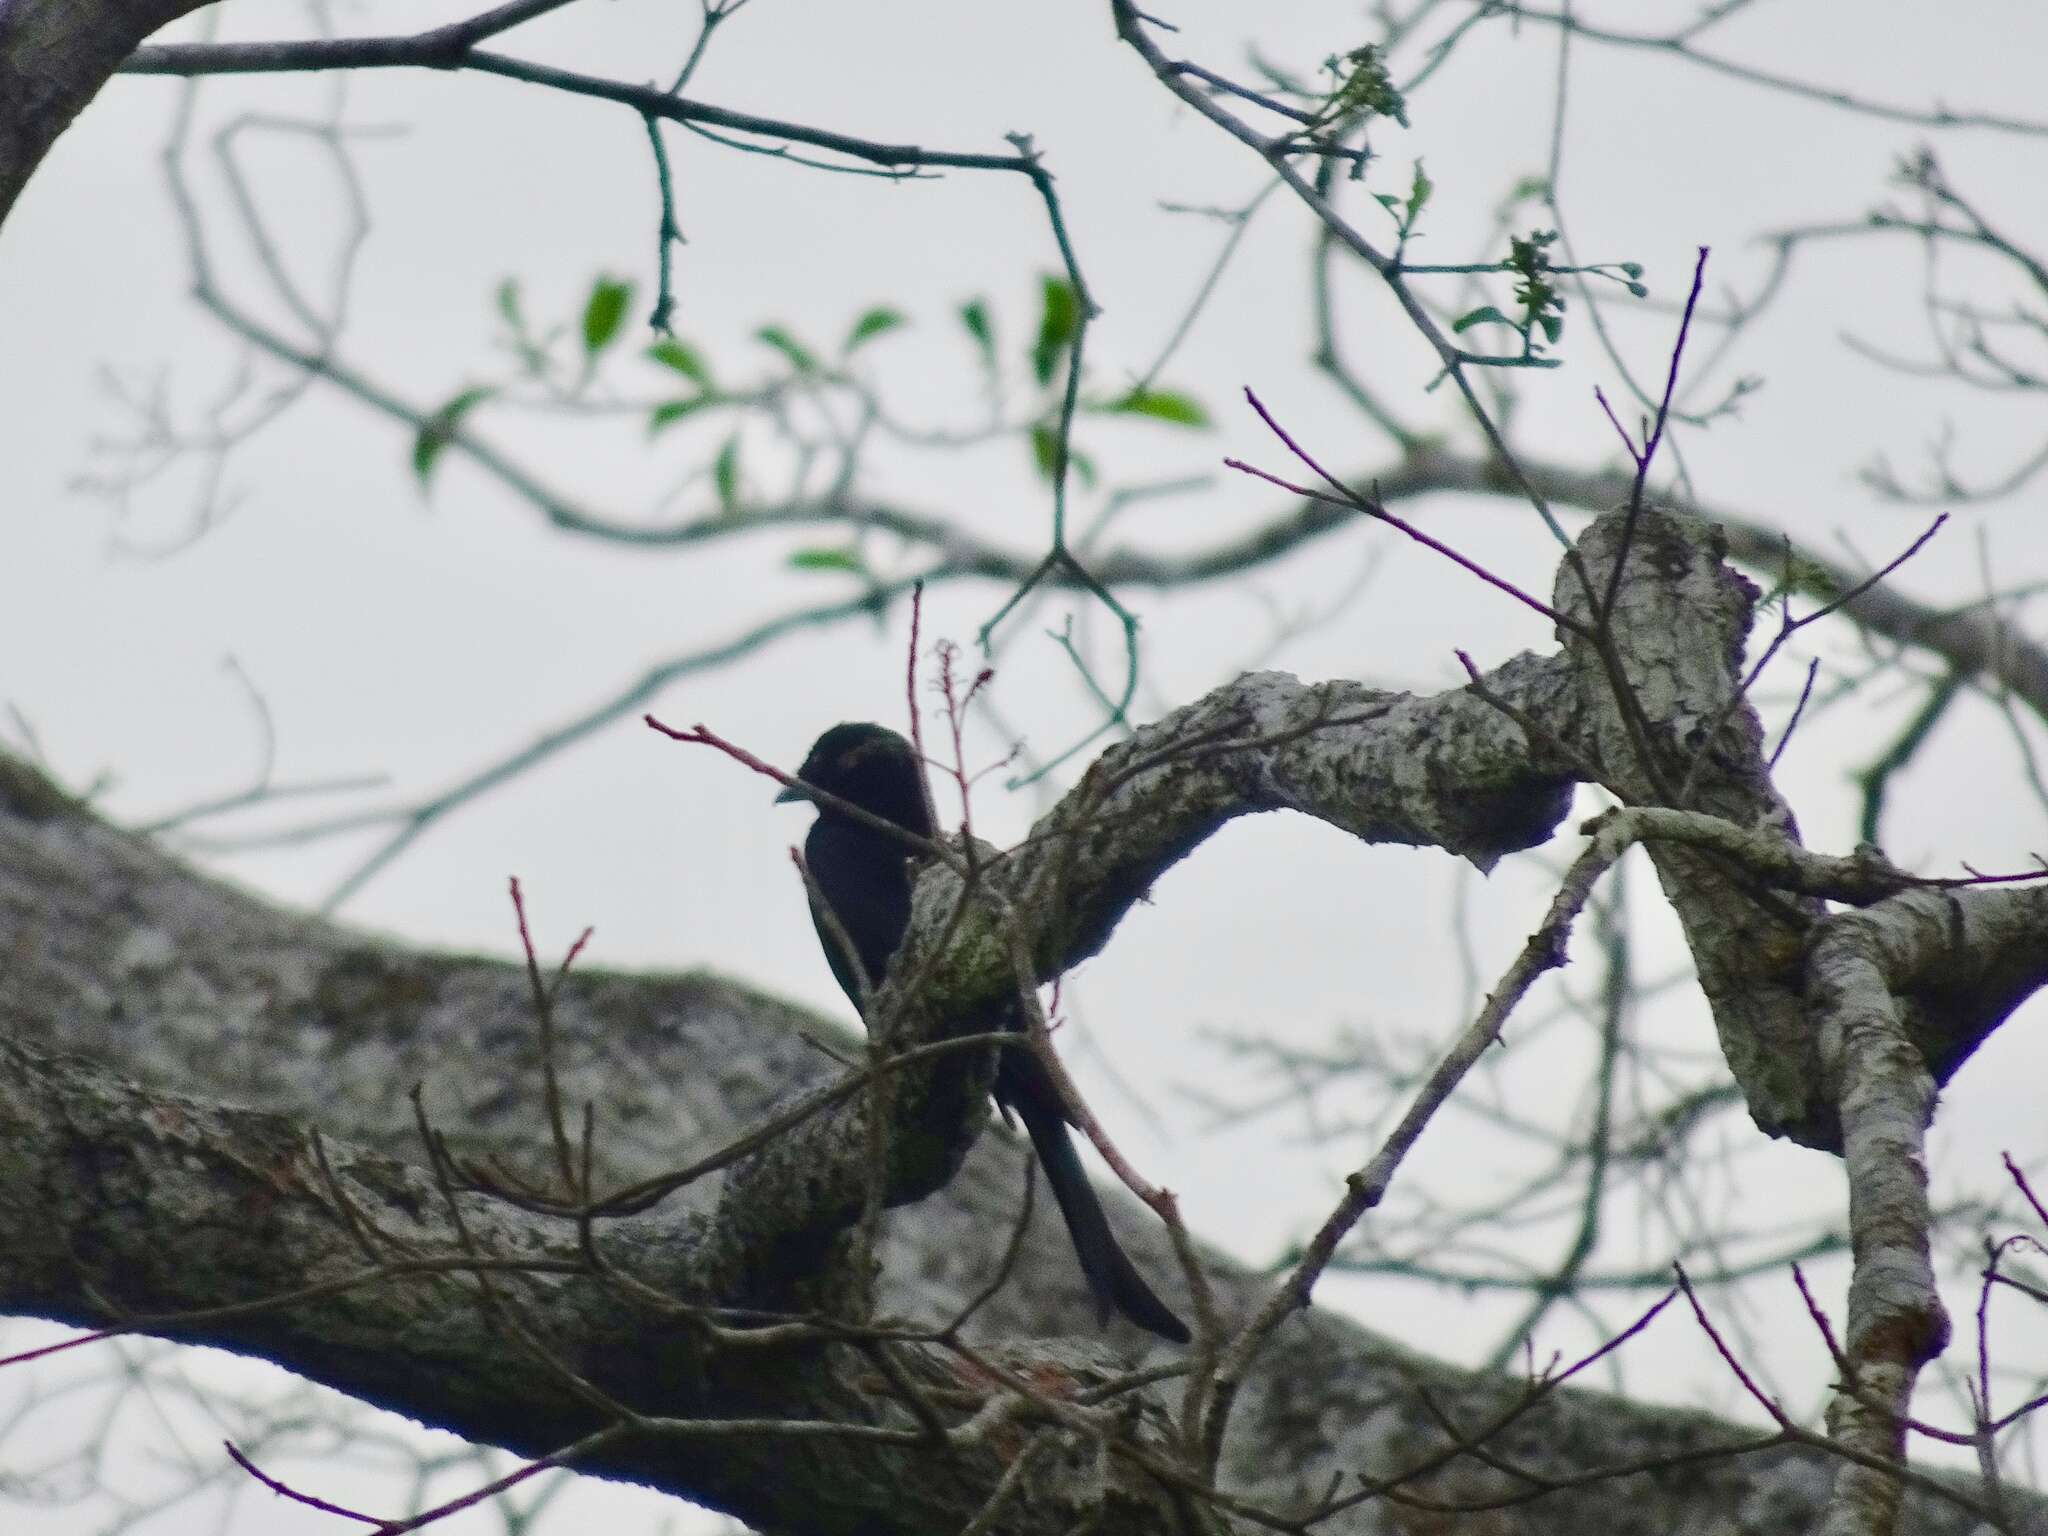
{"type": "Point", "coordinates": [791, 795]}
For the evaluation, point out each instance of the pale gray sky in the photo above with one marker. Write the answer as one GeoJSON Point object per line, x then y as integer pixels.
{"type": "Point", "coordinates": [420, 636]}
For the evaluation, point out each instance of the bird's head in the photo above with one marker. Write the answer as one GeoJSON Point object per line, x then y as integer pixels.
{"type": "Point", "coordinates": [871, 766]}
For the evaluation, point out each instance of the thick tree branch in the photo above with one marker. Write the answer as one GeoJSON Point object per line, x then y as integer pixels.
{"type": "Point", "coordinates": [490, 1328]}
{"type": "Point", "coordinates": [1680, 622]}
{"type": "Point", "coordinates": [1974, 643]}
{"type": "Point", "coordinates": [54, 57]}
{"type": "Point", "coordinates": [1449, 771]}
{"type": "Point", "coordinates": [116, 949]}
{"type": "Point", "coordinates": [119, 951]}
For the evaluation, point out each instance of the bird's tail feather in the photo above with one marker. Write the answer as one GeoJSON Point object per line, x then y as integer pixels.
{"type": "Point", "coordinates": [1112, 1279]}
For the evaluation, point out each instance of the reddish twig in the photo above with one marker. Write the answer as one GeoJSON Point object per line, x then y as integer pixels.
{"type": "Point", "coordinates": [924, 788]}
{"type": "Point", "coordinates": [1787, 628]}
{"type": "Point", "coordinates": [1656, 437]}
{"type": "Point", "coordinates": [1374, 509]}
{"type": "Point", "coordinates": [285, 1490]}
{"type": "Point", "coordinates": [2026, 1189]}
{"type": "Point", "coordinates": [1653, 437]}
{"type": "Point", "coordinates": [1721, 1347]}
{"type": "Point", "coordinates": [544, 1012]}
{"type": "Point", "coordinates": [1821, 1323]}
{"type": "Point", "coordinates": [1798, 709]}
{"type": "Point", "coordinates": [702, 735]}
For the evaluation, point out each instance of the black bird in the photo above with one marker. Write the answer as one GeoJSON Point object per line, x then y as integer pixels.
{"type": "Point", "coordinates": [864, 875]}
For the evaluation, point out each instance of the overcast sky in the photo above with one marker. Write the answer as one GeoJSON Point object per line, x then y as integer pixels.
{"type": "Point", "coordinates": [421, 636]}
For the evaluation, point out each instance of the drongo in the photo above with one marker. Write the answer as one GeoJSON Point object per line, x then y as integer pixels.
{"type": "Point", "coordinates": [863, 874]}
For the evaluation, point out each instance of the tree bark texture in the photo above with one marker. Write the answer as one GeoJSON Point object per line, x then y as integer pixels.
{"type": "Point", "coordinates": [54, 57]}
{"type": "Point", "coordinates": [171, 1043]}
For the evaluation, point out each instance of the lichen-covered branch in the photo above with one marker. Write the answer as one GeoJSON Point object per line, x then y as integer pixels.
{"type": "Point", "coordinates": [1917, 977]}
{"type": "Point", "coordinates": [116, 950]}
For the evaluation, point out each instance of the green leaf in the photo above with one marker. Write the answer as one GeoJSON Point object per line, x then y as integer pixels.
{"type": "Point", "coordinates": [603, 313]}
{"type": "Point", "coordinates": [1419, 188]}
{"type": "Point", "coordinates": [1486, 314]}
{"type": "Point", "coordinates": [1365, 87]}
{"type": "Point", "coordinates": [725, 475]}
{"type": "Point", "coordinates": [799, 355]}
{"type": "Point", "coordinates": [1059, 321]}
{"type": "Point", "coordinates": [1045, 449]}
{"type": "Point", "coordinates": [1553, 325]}
{"type": "Point", "coordinates": [439, 430]}
{"type": "Point", "coordinates": [669, 412]}
{"type": "Point", "coordinates": [1162, 405]}
{"type": "Point", "coordinates": [508, 303]}
{"type": "Point", "coordinates": [876, 322]}
{"type": "Point", "coordinates": [847, 560]}
{"type": "Point", "coordinates": [974, 317]}
{"type": "Point", "coordinates": [683, 358]}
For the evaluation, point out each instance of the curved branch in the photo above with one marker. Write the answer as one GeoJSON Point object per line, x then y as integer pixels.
{"type": "Point", "coordinates": [1973, 642]}
{"type": "Point", "coordinates": [451, 48]}
{"type": "Point", "coordinates": [1680, 45]}
{"type": "Point", "coordinates": [54, 57]}
{"type": "Point", "coordinates": [118, 950]}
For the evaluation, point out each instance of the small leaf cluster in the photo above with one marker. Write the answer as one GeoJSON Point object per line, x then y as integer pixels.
{"type": "Point", "coordinates": [1538, 296]}
{"type": "Point", "coordinates": [1407, 211]}
{"type": "Point", "coordinates": [1364, 88]}
{"type": "Point", "coordinates": [1059, 327]}
{"type": "Point", "coordinates": [597, 328]}
{"type": "Point", "coordinates": [1536, 293]}
{"type": "Point", "coordinates": [567, 363]}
